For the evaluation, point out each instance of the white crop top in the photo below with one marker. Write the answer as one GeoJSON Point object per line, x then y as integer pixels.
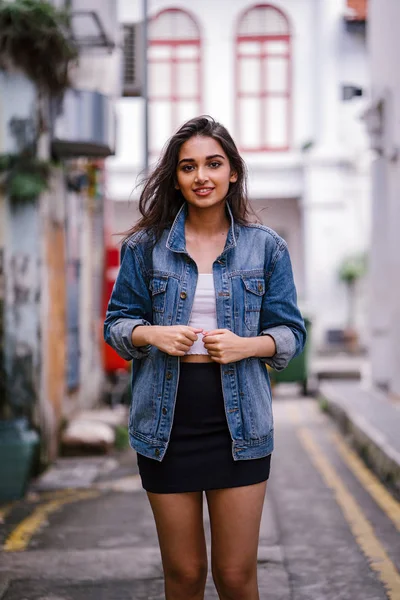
{"type": "Point", "coordinates": [204, 311]}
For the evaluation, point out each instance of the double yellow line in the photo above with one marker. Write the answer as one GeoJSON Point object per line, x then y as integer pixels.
{"type": "Point", "coordinates": [20, 537]}
{"type": "Point", "coordinates": [361, 528]}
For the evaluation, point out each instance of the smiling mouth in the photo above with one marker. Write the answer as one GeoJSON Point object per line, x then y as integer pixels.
{"type": "Point", "coordinates": [204, 191]}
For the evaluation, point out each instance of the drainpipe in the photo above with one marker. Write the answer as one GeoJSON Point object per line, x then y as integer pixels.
{"type": "Point", "coordinates": [145, 88]}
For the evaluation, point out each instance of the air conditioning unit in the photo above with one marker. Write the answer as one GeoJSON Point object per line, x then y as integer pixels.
{"type": "Point", "coordinates": [133, 59]}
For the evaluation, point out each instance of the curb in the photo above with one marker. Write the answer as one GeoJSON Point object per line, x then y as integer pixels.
{"type": "Point", "coordinates": [4, 585]}
{"type": "Point", "coordinates": [370, 444]}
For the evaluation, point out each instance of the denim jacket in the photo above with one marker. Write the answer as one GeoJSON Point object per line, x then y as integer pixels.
{"type": "Point", "coordinates": [255, 295]}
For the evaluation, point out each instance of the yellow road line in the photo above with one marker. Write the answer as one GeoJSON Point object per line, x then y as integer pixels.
{"type": "Point", "coordinates": [371, 483]}
{"type": "Point", "coordinates": [361, 529]}
{"type": "Point", "coordinates": [5, 510]}
{"type": "Point", "coordinates": [20, 537]}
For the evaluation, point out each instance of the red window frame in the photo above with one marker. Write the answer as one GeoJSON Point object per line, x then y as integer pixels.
{"type": "Point", "coordinates": [174, 61]}
{"type": "Point", "coordinates": [264, 93]}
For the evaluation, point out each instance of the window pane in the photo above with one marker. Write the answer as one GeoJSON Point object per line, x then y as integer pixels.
{"type": "Point", "coordinates": [187, 51]}
{"type": "Point", "coordinates": [249, 47]}
{"type": "Point", "coordinates": [185, 111]}
{"type": "Point", "coordinates": [276, 74]}
{"type": "Point", "coordinates": [160, 77]}
{"type": "Point", "coordinates": [276, 47]}
{"type": "Point", "coordinates": [159, 52]}
{"type": "Point", "coordinates": [160, 124]}
{"type": "Point", "coordinates": [250, 122]}
{"type": "Point", "coordinates": [276, 122]}
{"type": "Point", "coordinates": [249, 70]}
{"type": "Point", "coordinates": [187, 79]}
{"type": "Point", "coordinates": [173, 25]}
{"type": "Point", "coordinates": [263, 20]}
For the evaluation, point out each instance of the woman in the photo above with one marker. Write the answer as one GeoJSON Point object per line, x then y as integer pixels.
{"type": "Point", "coordinates": [203, 300]}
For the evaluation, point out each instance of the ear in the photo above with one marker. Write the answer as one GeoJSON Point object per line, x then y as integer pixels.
{"type": "Point", "coordinates": [233, 178]}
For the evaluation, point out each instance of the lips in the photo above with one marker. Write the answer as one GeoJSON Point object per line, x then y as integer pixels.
{"type": "Point", "coordinates": [203, 191]}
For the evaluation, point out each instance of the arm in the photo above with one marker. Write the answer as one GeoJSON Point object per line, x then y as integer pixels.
{"type": "Point", "coordinates": [280, 316]}
{"type": "Point", "coordinates": [129, 306]}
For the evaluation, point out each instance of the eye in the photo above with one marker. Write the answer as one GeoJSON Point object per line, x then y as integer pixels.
{"type": "Point", "coordinates": [215, 164]}
{"type": "Point", "coordinates": [187, 168]}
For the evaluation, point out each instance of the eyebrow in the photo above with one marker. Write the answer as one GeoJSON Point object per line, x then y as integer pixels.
{"type": "Point", "coordinates": [207, 158]}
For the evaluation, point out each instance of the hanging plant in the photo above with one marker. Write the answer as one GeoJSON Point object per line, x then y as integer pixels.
{"type": "Point", "coordinates": [352, 268]}
{"type": "Point", "coordinates": [23, 176]}
{"type": "Point", "coordinates": [34, 38]}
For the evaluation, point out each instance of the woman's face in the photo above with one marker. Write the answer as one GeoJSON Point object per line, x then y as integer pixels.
{"type": "Point", "coordinates": [203, 173]}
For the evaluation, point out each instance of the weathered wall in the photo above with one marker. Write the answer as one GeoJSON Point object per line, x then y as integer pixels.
{"type": "Point", "coordinates": [53, 312]}
{"type": "Point", "coordinates": [2, 292]}
{"type": "Point", "coordinates": [22, 352]}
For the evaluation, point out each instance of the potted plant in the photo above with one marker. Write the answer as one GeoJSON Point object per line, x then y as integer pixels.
{"type": "Point", "coordinates": [18, 442]}
{"type": "Point", "coordinates": [352, 269]}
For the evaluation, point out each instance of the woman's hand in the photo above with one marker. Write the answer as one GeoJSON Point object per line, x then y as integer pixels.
{"type": "Point", "coordinates": [224, 346]}
{"type": "Point", "coordinates": [171, 339]}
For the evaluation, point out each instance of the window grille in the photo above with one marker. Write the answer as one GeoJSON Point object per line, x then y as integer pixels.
{"type": "Point", "coordinates": [174, 56]}
{"type": "Point", "coordinates": [263, 80]}
{"type": "Point", "coordinates": [132, 63]}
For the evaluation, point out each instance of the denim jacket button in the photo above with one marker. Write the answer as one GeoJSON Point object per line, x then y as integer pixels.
{"type": "Point", "coordinates": [169, 375]}
{"type": "Point", "coordinates": [157, 452]}
{"type": "Point", "coordinates": [183, 295]}
{"type": "Point", "coordinates": [164, 410]}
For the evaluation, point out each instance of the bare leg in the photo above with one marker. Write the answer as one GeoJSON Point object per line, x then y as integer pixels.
{"type": "Point", "coordinates": [179, 522]}
{"type": "Point", "coordinates": [235, 516]}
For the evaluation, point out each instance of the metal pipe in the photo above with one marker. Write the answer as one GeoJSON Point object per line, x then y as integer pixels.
{"type": "Point", "coordinates": [145, 88]}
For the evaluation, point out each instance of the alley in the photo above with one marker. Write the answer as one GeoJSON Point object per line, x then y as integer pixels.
{"type": "Point", "coordinates": [330, 531]}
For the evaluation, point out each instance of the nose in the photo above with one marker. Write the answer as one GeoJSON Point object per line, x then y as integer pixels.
{"type": "Point", "coordinates": [201, 176]}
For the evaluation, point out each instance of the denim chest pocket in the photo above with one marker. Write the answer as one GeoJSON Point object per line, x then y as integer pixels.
{"type": "Point", "coordinates": [158, 288]}
{"type": "Point", "coordinates": [254, 290]}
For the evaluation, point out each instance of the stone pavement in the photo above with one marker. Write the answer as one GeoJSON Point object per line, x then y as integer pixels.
{"type": "Point", "coordinates": [371, 420]}
{"type": "Point", "coordinates": [104, 545]}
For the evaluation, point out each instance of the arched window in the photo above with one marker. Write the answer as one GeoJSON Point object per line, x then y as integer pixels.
{"type": "Point", "coordinates": [174, 56]}
{"type": "Point", "coordinates": [263, 101]}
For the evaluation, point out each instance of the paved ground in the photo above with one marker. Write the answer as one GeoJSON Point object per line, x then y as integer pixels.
{"type": "Point", "coordinates": [330, 530]}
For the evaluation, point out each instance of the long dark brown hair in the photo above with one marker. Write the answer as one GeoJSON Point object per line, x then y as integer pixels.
{"type": "Point", "coordinates": [160, 201]}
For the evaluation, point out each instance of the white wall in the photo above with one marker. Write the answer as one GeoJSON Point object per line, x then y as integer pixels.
{"type": "Point", "coordinates": [384, 46]}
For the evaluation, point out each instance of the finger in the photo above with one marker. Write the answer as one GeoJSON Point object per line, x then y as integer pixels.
{"type": "Point", "coordinates": [214, 352]}
{"type": "Point", "coordinates": [211, 340]}
{"type": "Point", "coordinates": [182, 347]}
{"type": "Point", "coordinates": [188, 335]}
{"type": "Point", "coordinates": [215, 359]}
{"type": "Point", "coordinates": [215, 332]}
{"type": "Point", "coordinates": [185, 342]}
{"type": "Point", "coordinates": [194, 329]}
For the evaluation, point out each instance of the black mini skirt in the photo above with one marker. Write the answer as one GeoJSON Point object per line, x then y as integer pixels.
{"type": "Point", "coordinates": [199, 455]}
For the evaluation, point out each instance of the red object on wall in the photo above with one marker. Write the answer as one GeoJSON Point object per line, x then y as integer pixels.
{"type": "Point", "coordinates": [357, 10]}
{"type": "Point", "coordinates": [112, 361]}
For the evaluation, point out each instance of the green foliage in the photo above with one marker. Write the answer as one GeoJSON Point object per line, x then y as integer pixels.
{"type": "Point", "coordinates": [34, 38]}
{"type": "Point", "coordinates": [353, 268]}
{"type": "Point", "coordinates": [24, 176]}
{"type": "Point", "coordinates": [121, 437]}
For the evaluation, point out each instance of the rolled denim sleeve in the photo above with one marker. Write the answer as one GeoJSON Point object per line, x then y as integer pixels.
{"type": "Point", "coordinates": [129, 306]}
{"type": "Point", "coordinates": [280, 316]}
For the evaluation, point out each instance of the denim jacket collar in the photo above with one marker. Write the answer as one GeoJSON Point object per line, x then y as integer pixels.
{"type": "Point", "coordinates": [176, 238]}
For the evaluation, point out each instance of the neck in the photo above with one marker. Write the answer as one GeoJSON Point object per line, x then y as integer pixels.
{"type": "Point", "coordinates": [213, 221]}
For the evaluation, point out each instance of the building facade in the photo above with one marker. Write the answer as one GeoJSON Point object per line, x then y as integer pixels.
{"type": "Point", "coordinates": [52, 247]}
{"type": "Point", "coordinates": [278, 75]}
{"type": "Point", "coordinates": [382, 119]}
